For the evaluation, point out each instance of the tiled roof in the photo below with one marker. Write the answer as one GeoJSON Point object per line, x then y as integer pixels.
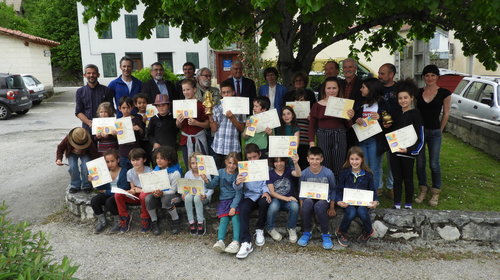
{"type": "Point", "coordinates": [23, 36]}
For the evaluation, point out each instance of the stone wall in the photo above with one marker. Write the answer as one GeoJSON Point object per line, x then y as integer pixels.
{"type": "Point", "coordinates": [389, 224]}
{"type": "Point", "coordinates": [481, 135]}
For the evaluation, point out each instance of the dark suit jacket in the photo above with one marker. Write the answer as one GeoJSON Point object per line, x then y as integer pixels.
{"type": "Point", "coordinates": [248, 88]}
{"type": "Point", "coordinates": [151, 90]}
{"type": "Point", "coordinates": [355, 94]}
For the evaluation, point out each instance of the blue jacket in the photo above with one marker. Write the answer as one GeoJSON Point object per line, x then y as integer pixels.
{"type": "Point", "coordinates": [363, 182]}
{"type": "Point", "coordinates": [121, 89]}
{"type": "Point", "coordinates": [279, 97]}
{"type": "Point", "coordinates": [122, 183]}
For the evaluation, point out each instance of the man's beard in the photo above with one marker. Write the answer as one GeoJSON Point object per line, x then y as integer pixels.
{"type": "Point", "coordinates": [158, 78]}
{"type": "Point", "coordinates": [206, 83]}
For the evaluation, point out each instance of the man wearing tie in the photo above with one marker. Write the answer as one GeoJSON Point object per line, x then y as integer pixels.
{"type": "Point", "coordinates": [243, 86]}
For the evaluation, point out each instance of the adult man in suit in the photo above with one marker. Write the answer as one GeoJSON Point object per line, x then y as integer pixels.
{"type": "Point", "coordinates": [352, 90]}
{"type": "Point", "coordinates": [157, 85]}
{"type": "Point", "coordinates": [243, 86]}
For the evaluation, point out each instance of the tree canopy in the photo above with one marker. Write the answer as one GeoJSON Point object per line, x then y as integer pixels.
{"type": "Point", "coordinates": [302, 28]}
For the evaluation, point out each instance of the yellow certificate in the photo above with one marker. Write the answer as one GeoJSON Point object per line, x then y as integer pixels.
{"type": "Point", "coordinates": [401, 138]}
{"type": "Point", "coordinates": [267, 119]}
{"type": "Point", "coordinates": [254, 170]}
{"type": "Point", "coordinates": [206, 165]}
{"type": "Point", "coordinates": [237, 105]}
{"type": "Point", "coordinates": [187, 107]}
{"type": "Point", "coordinates": [367, 129]}
{"type": "Point", "coordinates": [153, 181]}
{"type": "Point", "coordinates": [99, 172]}
{"type": "Point", "coordinates": [151, 111]}
{"type": "Point", "coordinates": [358, 197]}
{"type": "Point", "coordinates": [301, 108]}
{"type": "Point", "coordinates": [103, 125]}
{"type": "Point", "coordinates": [338, 107]}
{"type": "Point", "coordinates": [282, 146]}
{"type": "Point", "coordinates": [314, 190]}
{"type": "Point", "coordinates": [251, 126]}
{"type": "Point", "coordinates": [124, 130]}
{"type": "Point", "coordinates": [190, 186]}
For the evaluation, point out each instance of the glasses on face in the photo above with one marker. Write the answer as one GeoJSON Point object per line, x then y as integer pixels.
{"type": "Point", "coordinates": [206, 76]}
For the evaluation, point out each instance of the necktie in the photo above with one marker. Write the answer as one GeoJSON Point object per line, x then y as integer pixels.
{"type": "Point", "coordinates": [238, 92]}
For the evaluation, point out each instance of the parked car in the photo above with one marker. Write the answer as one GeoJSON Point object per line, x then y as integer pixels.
{"type": "Point", "coordinates": [13, 96]}
{"type": "Point", "coordinates": [478, 96]}
{"type": "Point", "coordinates": [35, 88]}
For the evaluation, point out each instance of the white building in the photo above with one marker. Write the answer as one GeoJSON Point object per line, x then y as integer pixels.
{"type": "Point", "coordinates": [23, 53]}
{"type": "Point", "coordinates": [164, 46]}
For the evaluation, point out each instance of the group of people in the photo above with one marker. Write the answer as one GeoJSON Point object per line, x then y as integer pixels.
{"type": "Point", "coordinates": [328, 150]}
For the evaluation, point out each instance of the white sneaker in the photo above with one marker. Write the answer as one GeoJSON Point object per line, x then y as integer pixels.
{"type": "Point", "coordinates": [292, 235]}
{"type": "Point", "coordinates": [275, 234]}
{"type": "Point", "coordinates": [233, 247]}
{"type": "Point", "coordinates": [245, 249]}
{"type": "Point", "coordinates": [219, 246]}
{"type": "Point", "coordinates": [259, 238]}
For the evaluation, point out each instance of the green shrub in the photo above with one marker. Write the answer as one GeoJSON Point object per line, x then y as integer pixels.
{"type": "Point", "coordinates": [144, 75]}
{"type": "Point", "coordinates": [315, 81]}
{"type": "Point", "coordinates": [26, 255]}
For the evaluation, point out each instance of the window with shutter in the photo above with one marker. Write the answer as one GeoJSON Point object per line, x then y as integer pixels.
{"type": "Point", "coordinates": [162, 31]}
{"type": "Point", "coordinates": [166, 60]}
{"type": "Point", "coordinates": [107, 34]}
{"type": "Point", "coordinates": [108, 65]}
{"type": "Point", "coordinates": [131, 24]}
{"type": "Point", "coordinates": [194, 58]}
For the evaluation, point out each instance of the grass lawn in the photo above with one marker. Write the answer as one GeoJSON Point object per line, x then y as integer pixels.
{"type": "Point", "coordinates": [470, 179]}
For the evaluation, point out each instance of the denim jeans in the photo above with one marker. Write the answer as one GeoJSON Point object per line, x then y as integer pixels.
{"type": "Point", "coordinates": [198, 205]}
{"type": "Point", "coordinates": [433, 141]}
{"type": "Point", "coordinates": [78, 174]}
{"type": "Point", "coordinates": [350, 214]}
{"type": "Point", "coordinates": [389, 180]}
{"type": "Point", "coordinates": [369, 147]}
{"type": "Point", "coordinates": [276, 205]}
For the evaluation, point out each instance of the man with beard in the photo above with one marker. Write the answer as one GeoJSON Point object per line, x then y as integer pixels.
{"type": "Point", "coordinates": [204, 77]}
{"type": "Point", "coordinates": [158, 85]}
{"type": "Point", "coordinates": [89, 97]}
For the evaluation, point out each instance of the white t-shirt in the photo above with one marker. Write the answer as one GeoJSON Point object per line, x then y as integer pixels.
{"type": "Point", "coordinates": [129, 85]}
{"type": "Point", "coordinates": [272, 93]}
{"type": "Point", "coordinates": [367, 110]}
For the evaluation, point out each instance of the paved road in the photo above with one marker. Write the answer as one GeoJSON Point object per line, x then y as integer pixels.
{"type": "Point", "coordinates": [31, 183]}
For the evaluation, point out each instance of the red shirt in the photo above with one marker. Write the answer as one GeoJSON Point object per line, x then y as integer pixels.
{"type": "Point", "coordinates": [192, 129]}
{"type": "Point", "coordinates": [317, 119]}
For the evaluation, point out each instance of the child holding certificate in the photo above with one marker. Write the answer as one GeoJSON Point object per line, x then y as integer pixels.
{"type": "Point", "coordinates": [356, 175]}
{"type": "Point", "coordinates": [105, 197]}
{"type": "Point", "coordinates": [256, 195]}
{"type": "Point", "coordinates": [77, 146]}
{"type": "Point", "coordinates": [321, 208]}
{"type": "Point", "coordinates": [303, 124]}
{"type": "Point", "coordinates": [289, 125]}
{"type": "Point", "coordinates": [261, 139]}
{"type": "Point", "coordinates": [166, 159]}
{"type": "Point", "coordinates": [106, 140]}
{"type": "Point", "coordinates": [281, 185]}
{"type": "Point", "coordinates": [229, 199]}
{"type": "Point", "coordinates": [137, 158]}
{"type": "Point", "coordinates": [402, 161]}
{"type": "Point", "coordinates": [126, 105]}
{"type": "Point", "coordinates": [372, 108]}
{"type": "Point", "coordinates": [162, 130]}
{"type": "Point", "coordinates": [198, 200]}
{"type": "Point", "coordinates": [330, 131]}
{"type": "Point", "coordinates": [193, 134]}
{"type": "Point", "coordinates": [226, 127]}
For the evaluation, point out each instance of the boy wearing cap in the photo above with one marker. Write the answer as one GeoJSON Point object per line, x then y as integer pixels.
{"type": "Point", "coordinates": [162, 130]}
{"type": "Point", "coordinates": [77, 145]}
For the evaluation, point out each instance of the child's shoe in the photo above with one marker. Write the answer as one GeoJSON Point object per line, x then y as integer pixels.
{"type": "Point", "coordinates": [304, 239]}
{"type": "Point", "coordinates": [233, 247]}
{"type": "Point", "coordinates": [116, 225]}
{"type": "Point", "coordinates": [397, 206]}
{"type": "Point", "coordinates": [275, 234]}
{"type": "Point", "coordinates": [219, 246]}
{"type": "Point", "coordinates": [87, 190]}
{"type": "Point", "coordinates": [201, 228]}
{"type": "Point", "coordinates": [327, 241]}
{"type": "Point", "coordinates": [146, 225]}
{"type": "Point", "coordinates": [155, 228]}
{"type": "Point", "coordinates": [125, 223]}
{"type": "Point", "coordinates": [364, 237]}
{"type": "Point", "coordinates": [342, 239]}
{"type": "Point", "coordinates": [408, 206]}
{"type": "Point", "coordinates": [292, 235]}
{"type": "Point", "coordinates": [192, 228]}
{"type": "Point", "coordinates": [100, 224]}
{"type": "Point", "coordinates": [73, 190]}
{"type": "Point", "coordinates": [259, 237]}
{"type": "Point", "coordinates": [245, 249]}
{"type": "Point", "coordinates": [176, 224]}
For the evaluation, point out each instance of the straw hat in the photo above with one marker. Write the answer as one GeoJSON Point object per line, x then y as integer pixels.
{"type": "Point", "coordinates": [161, 99]}
{"type": "Point", "coordinates": [79, 138]}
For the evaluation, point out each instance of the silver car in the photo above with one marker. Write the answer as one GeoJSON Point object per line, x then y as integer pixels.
{"type": "Point", "coordinates": [478, 96]}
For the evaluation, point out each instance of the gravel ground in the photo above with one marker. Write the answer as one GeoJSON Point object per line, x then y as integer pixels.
{"type": "Point", "coordinates": [143, 256]}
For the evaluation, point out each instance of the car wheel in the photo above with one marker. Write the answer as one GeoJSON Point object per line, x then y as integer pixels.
{"type": "Point", "coordinates": [4, 112]}
{"type": "Point", "coordinates": [22, 112]}
{"type": "Point", "coordinates": [37, 102]}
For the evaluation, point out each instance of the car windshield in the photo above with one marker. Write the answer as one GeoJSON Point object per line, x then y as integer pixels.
{"type": "Point", "coordinates": [29, 81]}
{"type": "Point", "coordinates": [14, 82]}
